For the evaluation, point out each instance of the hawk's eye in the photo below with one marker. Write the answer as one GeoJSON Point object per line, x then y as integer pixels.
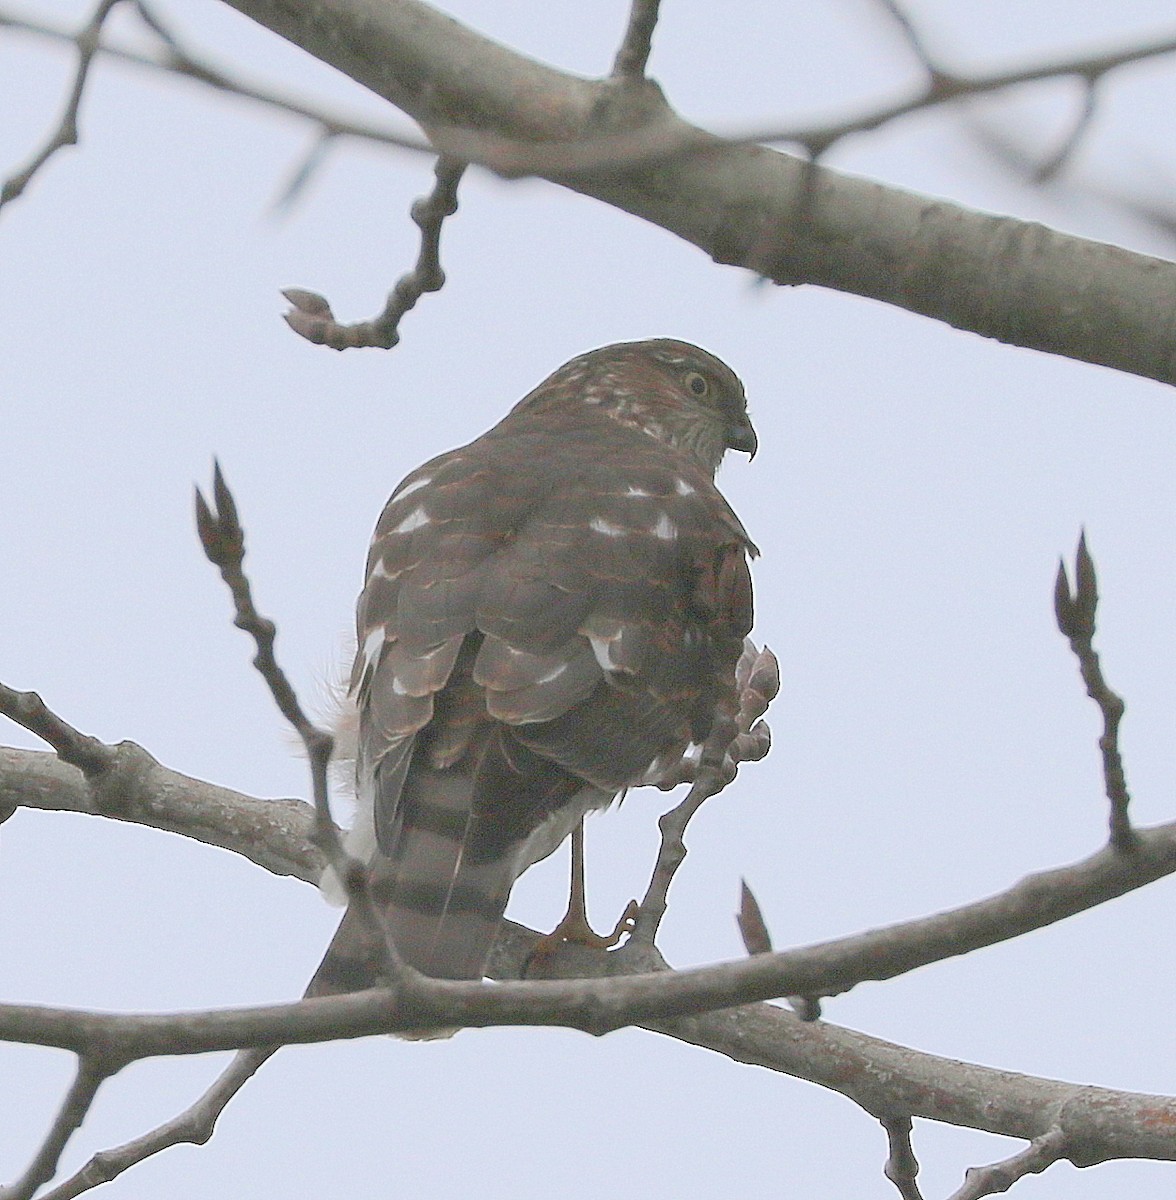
{"type": "Point", "coordinates": [696, 383]}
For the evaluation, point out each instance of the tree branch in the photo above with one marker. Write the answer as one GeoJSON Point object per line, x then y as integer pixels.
{"type": "Point", "coordinates": [223, 539]}
{"type": "Point", "coordinates": [1075, 616]}
{"type": "Point", "coordinates": [902, 1167]}
{"type": "Point", "coordinates": [90, 1076]}
{"type": "Point", "coordinates": [178, 60]}
{"type": "Point", "coordinates": [66, 133]}
{"type": "Point", "coordinates": [633, 54]}
{"type": "Point", "coordinates": [194, 1126]}
{"type": "Point", "coordinates": [311, 316]}
{"type": "Point", "coordinates": [786, 219]}
{"type": "Point", "coordinates": [1042, 1152]}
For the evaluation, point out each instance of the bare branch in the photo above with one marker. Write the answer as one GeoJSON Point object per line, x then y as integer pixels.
{"type": "Point", "coordinates": [633, 54]}
{"type": "Point", "coordinates": [311, 316]}
{"type": "Point", "coordinates": [881, 1077]}
{"type": "Point", "coordinates": [1042, 1152]}
{"type": "Point", "coordinates": [194, 1126]}
{"type": "Point", "coordinates": [274, 834]}
{"type": "Point", "coordinates": [739, 739]}
{"type": "Point", "coordinates": [66, 133]}
{"type": "Point", "coordinates": [1055, 163]}
{"type": "Point", "coordinates": [944, 87]}
{"type": "Point", "coordinates": [911, 35]}
{"type": "Point", "coordinates": [902, 1167]}
{"type": "Point", "coordinates": [223, 540]}
{"type": "Point", "coordinates": [1075, 616]}
{"type": "Point", "coordinates": [89, 1078]}
{"type": "Point", "coordinates": [78, 749]}
{"type": "Point", "coordinates": [180, 61]}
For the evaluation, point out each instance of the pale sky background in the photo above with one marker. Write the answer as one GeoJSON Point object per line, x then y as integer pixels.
{"type": "Point", "coordinates": [914, 490]}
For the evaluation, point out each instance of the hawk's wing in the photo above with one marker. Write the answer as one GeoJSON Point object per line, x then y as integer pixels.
{"type": "Point", "coordinates": [552, 613]}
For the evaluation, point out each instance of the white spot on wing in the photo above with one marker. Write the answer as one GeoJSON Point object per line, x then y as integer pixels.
{"type": "Point", "coordinates": [636, 491]}
{"type": "Point", "coordinates": [600, 525]}
{"type": "Point", "coordinates": [665, 529]}
{"type": "Point", "coordinates": [683, 488]}
{"type": "Point", "coordinates": [380, 571]}
{"type": "Point", "coordinates": [415, 486]}
{"type": "Point", "coordinates": [373, 644]}
{"type": "Point", "coordinates": [602, 648]}
{"type": "Point", "coordinates": [414, 520]}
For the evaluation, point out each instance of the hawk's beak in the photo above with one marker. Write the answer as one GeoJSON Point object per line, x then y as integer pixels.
{"type": "Point", "coordinates": [741, 436]}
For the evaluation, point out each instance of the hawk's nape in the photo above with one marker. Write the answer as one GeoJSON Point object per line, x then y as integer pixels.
{"type": "Point", "coordinates": [551, 614]}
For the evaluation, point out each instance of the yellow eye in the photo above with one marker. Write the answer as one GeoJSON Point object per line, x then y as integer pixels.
{"type": "Point", "coordinates": [697, 383]}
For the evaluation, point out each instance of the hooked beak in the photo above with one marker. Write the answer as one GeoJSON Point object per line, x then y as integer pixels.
{"type": "Point", "coordinates": [741, 436]}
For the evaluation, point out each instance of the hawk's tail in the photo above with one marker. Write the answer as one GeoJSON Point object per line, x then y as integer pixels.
{"type": "Point", "coordinates": [442, 908]}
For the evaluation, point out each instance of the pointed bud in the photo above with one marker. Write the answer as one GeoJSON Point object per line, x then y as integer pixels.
{"type": "Point", "coordinates": [756, 939]}
{"type": "Point", "coordinates": [1085, 587]}
{"type": "Point", "coordinates": [1063, 603]}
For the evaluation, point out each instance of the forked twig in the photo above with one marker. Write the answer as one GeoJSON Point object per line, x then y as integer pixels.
{"type": "Point", "coordinates": [1075, 616]}
{"type": "Point", "coordinates": [91, 1074]}
{"type": "Point", "coordinates": [66, 133]}
{"type": "Point", "coordinates": [743, 739]}
{"type": "Point", "coordinates": [92, 757]}
{"type": "Point", "coordinates": [1042, 1152]}
{"type": "Point", "coordinates": [223, 539]}
{"type": "Point", "coordinates": [194, 1126]}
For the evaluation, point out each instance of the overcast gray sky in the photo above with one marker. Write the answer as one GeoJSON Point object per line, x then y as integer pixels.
{"type": "Point", "coordinates": [914, 489]}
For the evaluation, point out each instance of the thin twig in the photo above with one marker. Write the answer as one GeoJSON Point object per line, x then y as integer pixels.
{"type": "Point", "coordinates": [945, 87]}
{"type": "Point", "coordinates": [1076, 619]}
{"type": "Point", "coordinates": [223, 539]}
{"type": "Point", "coordinates": [176, 59]}
{"type": "Point", "coordinates": [90, 1076]}
{"type": "Point", "coordinates": [1053, 165]}
{"type": "Point", "coordinates": [902, 1167]}
{"type": "Point", "coordinates": [194, 1126]}
{"type": "Point", "coordinates": [733, 740]}
{"type": "Point", "coordinates": [66, 133]}
{"type": "Point", "coordinates": [311, 316]}
{"type": "Point", "coordinates": [633, 54]}
{"type": "Point", "coordinates": [911, 35]}
{"type": "Point", "coordinates": [28, 710]}
{"type": "Point", "coordinates": [1042, 1152]}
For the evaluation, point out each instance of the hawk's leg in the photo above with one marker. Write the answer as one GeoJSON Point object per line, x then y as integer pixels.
{"type": "Point", "coordinates": [574, 927]}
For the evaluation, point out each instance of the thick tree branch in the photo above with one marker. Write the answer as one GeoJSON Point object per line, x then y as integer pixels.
{"type": "Point", "coordinates": [274, 834]}
{"type": "Point", "coordinates": [883, 1078]}
{"type": "Point", "coordinates": [600, 1006]}
{"type": "Point", "coordinates": [786, 219]}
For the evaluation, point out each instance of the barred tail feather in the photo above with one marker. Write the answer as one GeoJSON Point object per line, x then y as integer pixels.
{"type": "Point", "coordinates": [442, 907]}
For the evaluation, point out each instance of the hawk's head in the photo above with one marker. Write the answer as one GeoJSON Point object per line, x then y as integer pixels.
{"type": "Point", "coordinates": [671, 390]}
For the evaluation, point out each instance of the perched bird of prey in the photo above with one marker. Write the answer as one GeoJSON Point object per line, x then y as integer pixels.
{"type": "Point", "coordinates": [552, 614]}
